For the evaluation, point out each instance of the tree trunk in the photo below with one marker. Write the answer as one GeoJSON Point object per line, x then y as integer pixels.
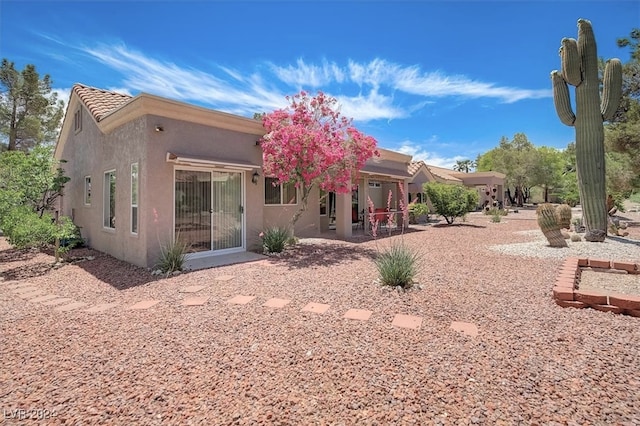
{"type": "Point", "coordinates": [13, 129]}
{"type": "Point", "coordinates": [303, 207]}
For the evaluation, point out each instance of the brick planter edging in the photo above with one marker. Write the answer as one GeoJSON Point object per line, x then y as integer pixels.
{"type": "Point", "coordinates": [566, 290]}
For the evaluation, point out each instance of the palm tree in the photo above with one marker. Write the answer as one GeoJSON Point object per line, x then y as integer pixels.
{"type": "Point", "coordinates": [464, 166]}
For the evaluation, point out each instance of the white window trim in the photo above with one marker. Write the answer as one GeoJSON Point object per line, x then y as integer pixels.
{"type": "Point", "coordinates": [375, 184]}
{"type": "Point", "coordinates": [132, 205]}
{"type": "Point", "coordinates": [87, 191]}
{"type": "Point", "coordinates": [104, 198]}
{"type": "Point", "coordinates": [264, 195]}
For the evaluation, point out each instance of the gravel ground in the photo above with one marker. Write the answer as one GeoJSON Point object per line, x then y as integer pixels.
{"type": "Point", "coordinates": [531, 363]}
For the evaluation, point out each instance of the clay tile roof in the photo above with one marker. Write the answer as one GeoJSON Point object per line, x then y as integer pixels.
{"type": "Point", "coordinates": [100, 102]}
{"type": "Point", "coordinates": [443, 173]}
{"type": "Point", "coordinates": [414, 166]}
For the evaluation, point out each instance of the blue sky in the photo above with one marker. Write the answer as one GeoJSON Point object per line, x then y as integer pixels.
{"type": "Point", "coordinates": [439, 80]}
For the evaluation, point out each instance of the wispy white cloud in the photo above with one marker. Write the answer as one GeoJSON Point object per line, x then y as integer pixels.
{"type": "Point", "coordinates": [305, 75]}
{"type": "Point", "coordinates": [419, 152]}
{"type": "Point", "coordinates": [167, 79]}
{"type": "Point", "coordinates": [383, 90]}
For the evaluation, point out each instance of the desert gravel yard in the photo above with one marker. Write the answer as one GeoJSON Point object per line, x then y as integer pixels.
{"type": "Point", "coordinates": [532, 362]}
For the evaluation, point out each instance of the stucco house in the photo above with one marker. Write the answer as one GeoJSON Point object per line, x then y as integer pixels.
{"type": "Point", "coordinates": [490, 185]}
{"type": "Point", "coordinates": [145, 170]}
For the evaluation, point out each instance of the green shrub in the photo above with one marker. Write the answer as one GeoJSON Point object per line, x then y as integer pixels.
{"type": "Point", "coordinates": [397, 266]}
{"type": "Point", "coordinates": [275, 239]}
{"type": "Point", "coordinates": [451, 201]}
{"type": "Point", "coordinates": [172, 256]}
{"type": "Point", "coordinates": [494, 211]}
{"type": "Point", "coordinates": [496, 218]}
{"type": "Point", "coordinates": [25, 228]}
{"type": "Point", "coordinates": [419, 209]}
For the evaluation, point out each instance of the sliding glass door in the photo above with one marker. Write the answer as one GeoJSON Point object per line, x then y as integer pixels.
{"type": "Point", "coordinates": [209, 210]}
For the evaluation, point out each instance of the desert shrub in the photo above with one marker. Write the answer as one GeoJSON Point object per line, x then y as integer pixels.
{"type": "Point", "coordinates": [418, 210]}
{"type": "Point", "coordinates": [496, 218]}
{"type": "Point", "coordinates": [275, 239]}
{"type": "Point", "coordinates": [494, 211]}
{"type": "Point", "coordinates": [25, 228]}
{"type": "Point", "coordinates": [451, 201]}
{"type": "Point", "coordinates": [397, 265]}
{"type": "Point", "coordinates": [575, 238]}
{"type": "Point", "coordinates": [172, 256]}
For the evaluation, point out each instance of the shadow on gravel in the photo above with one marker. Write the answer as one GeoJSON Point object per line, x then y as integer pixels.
{"type": "Point", "coordinates": [26, 271]}
{"type": "Point", "coordinates": [15, 255]}
{"type": "Point", "coordinates": [624, 240]}
{"type": "Point", "coordinates": [323, 254]}
{"type": "Point", "coordinates": [117, 273]}
{"type": "Point", "coordinates": [469, 225]}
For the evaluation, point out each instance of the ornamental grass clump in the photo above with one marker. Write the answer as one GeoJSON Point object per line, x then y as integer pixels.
{"type": "Point", "coordinates": [275, 239]}
{"type": "Point", "coordinates": [397, 265]}
{"type": "Point", "coordinates": [172, 256]}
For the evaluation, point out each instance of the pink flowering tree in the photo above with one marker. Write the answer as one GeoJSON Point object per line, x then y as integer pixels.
{"type": "Point", "coordinates": [311, 145]}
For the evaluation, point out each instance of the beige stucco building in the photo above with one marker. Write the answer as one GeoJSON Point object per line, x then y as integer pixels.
{"type": "Point", "coordinates": [145, 170]}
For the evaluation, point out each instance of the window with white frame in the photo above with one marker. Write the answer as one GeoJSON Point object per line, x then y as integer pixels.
{"type": "Point", "coordinates": [275, 194]}
{"type": "Point", "coordinates": [87, 190]}
{"type": "Point", "coordinates": [109, 200]}
{"type": "Point", "coordinates": [134, 198]}
{"type": "Point", "coordinates": [375, 185]}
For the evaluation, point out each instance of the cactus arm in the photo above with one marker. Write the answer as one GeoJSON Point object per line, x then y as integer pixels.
{"type": "Point", "coordinates": [611, 89]}
{"type": "Point", "coordinates": [561, 99]}
{"type": "Point", "coordinates": [570, 59]}
{"type": "Point", "coordinates": [588, 51]}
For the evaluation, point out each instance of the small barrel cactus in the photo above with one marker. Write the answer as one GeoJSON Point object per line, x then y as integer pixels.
{"type": "Point", "coordinates": [580, 69]}
{"type": "Point", "coordinates": [548, 222]}
{"type": "Point", "coordinates": [563, 214]}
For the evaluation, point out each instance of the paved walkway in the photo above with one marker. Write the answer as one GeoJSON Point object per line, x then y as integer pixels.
{"type": "Point", "coordinates": [58, 303]}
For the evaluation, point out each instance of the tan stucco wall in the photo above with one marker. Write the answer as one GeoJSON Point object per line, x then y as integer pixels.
{"type": "Point", "coordinates": [309, 223]}
{"type": "Point", "coordinates": [196, 140]}
{"type": "Point", "coordinates": [90, 153]}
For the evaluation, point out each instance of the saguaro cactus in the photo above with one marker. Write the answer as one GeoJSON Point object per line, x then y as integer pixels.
{"type": "Point", "coordinates": [580, 69]}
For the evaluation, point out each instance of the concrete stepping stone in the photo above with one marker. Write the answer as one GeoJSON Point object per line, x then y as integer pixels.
{"type": "Point", "coordinates": [240, 300]}
{"type": "Point", "coordinates": [192, 289]}
{"type": "Point", "coordinates": [70, 306]}
{"type": "Point", "coordinates": [224, 278]}
{"type": "Point", "coordinates": [466, 328]}
{"type": "Point", "coordinates": [358, 314]}
{"type": "Point", "coordinates": [31, 294]}
{"type": "Point", "coordinates": [407, 321]}
{"type": "Point", "coordinates": [276, 303]}
{"type": "Point", "coordinates": [195, 301]}
{"type": "Point", "coordinates": [44, 298]}
{"type": "Point", "coordinates": [318, 308]}
{"type": "Point", "coordinates": [100, 308]}
{"type": "Point", "coordinates": [57, 301]}
{"type": "Point", "coordinates": [26, 289]}
{"type": "Point", "coordinates": [144, 304]}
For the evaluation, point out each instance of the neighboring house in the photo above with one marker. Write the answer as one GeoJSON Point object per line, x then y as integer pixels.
{"type": "Point", "coordinates": [490, 185]}
{"type": "Point", "coordinates": [145, 170]}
